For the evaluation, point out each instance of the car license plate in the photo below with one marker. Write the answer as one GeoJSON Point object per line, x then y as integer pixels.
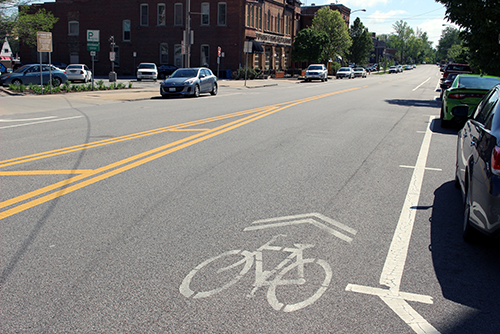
{"type": "Point", "coordinates": [171, 89]}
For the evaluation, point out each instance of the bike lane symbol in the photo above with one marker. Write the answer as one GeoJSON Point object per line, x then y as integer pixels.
{"type": "Point", "coordinates": [275, 278]}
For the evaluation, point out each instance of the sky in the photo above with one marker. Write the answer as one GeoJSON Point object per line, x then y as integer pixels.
{"type": "Point", "coordinates": [380, 15]}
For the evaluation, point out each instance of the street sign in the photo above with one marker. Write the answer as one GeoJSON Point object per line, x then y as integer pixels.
{"type": "Point", "coordinates": [112, 56]}
{"type": "Point", "coordinates": [93, 53]}
{"type": "Point", "coordinates": [247, 47]}
{"type": "Point", "coordinates": [92, 46]}
{"type": "Point", "coordinates": [93, 40]}
{"type": "Point", "coordinates": [44, 41]}
{"type": "Point", "coordinates": [93, 36]}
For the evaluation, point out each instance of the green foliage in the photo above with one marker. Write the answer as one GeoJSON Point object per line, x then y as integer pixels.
{"type": "Point", "coordinates": [27, 24]}
{"type": "Point", "coordinates": [250, 73]}
{"type": "Point", "coordinates": [309, 45]}
{"type": "Point", "coordinates": [478, 21]}
{"type": "Point", "coordinates": [362, 43]}
{"type": "Point", "coordinates": [332, 23]}
{"type": "Point", "coordinates": [67, 87]}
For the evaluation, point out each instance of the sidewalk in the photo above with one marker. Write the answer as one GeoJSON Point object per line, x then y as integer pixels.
{"type": "Point", "coordinates": [153, 89]}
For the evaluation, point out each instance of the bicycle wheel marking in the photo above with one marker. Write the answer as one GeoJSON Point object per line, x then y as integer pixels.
{"type": "Point", "coordinates": [265, 278]}
{"type": "Point", "coordinates": [186, 291]}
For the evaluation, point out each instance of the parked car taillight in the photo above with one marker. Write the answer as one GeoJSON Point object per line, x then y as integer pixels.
{"type": "Point", "coordinates": [495, 161]}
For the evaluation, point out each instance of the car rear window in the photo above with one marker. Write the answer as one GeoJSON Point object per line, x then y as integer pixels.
{"type": "Point", "coordinates": [75, 66]}
{"type": "Point", "coordinates": [477, 82]}
{"type": "Point", "coordinates": [458, 68]}
{"type": "Point", "coordinates": [146, 66]}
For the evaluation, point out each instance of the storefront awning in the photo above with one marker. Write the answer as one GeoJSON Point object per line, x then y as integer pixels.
{"type": "Point", "coordinates": [256, 47]}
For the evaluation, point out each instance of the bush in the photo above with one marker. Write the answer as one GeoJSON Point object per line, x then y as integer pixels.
{"type": "Point", "coordinates": [251, 74]}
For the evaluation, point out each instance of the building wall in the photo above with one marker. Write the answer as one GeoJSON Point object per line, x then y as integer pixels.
{"type": "Point", "coordinates": [147, 40]}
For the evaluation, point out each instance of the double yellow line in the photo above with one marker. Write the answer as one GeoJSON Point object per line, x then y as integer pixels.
{"type": "Point", "coordinates": [87, 177]}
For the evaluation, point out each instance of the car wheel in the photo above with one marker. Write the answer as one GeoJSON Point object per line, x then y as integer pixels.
{"type": "Point", "coordinates": [16, 82]}
{"type": "Point", "coordinates": [444, 123]}
{"type": "Point", "coordinates": [196, 91]}
{"type": "Point", "coordinates": [56, 82]}
{"type": "Point", "coordinates": [214, 90]}
{"type": "Point", "coordinates": [326, 78]}
{"type": "Point", "coordinates": [469, 233]}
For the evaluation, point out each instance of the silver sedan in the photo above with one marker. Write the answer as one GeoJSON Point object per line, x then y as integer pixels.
{"type": "Point", "coordinates": [189, 82]}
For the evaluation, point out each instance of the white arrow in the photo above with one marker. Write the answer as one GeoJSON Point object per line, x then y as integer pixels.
{"type": "Point", "coordinates": [307, 218]}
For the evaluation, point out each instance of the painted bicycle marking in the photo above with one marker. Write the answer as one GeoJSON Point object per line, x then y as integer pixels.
{"type": "Point", "coordinates": [273, 279]}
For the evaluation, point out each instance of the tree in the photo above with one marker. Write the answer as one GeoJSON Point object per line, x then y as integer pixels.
{"type": "Point", "coordinates": [28, 24]}
{"type": "Point", "coordinates": [334, 26]}
{"type": "Point", "coordinates": [478, 21]}
{"type": "Point", "coordinates": [22, 24]}
{"type": "Point", "coordinates": [362, 42]}
{"type": "Point", "coordinates": [402, 35]}
{"type": "Point", "coordinates": [449, 38]}
{"type": "Point", "coordinates": [308, 45]}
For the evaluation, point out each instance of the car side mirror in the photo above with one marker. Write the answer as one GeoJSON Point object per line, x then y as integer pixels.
{"type": "Point", "coordinates": [461, 111]}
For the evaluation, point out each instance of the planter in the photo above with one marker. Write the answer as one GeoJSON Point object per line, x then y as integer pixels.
{"type": "Point", "coordinates": [280, 75]}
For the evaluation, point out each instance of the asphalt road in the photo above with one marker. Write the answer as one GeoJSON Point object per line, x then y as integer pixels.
{"type": "Point", "coordinates": [295, 208]}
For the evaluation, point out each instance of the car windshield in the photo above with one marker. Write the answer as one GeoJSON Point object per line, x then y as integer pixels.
{"type": "Point", "coordinates": [185, 73]}
{"type": "Point", "coordinates": [146, 66]}
{"type": "Point", "coordinates": [359, 69]}
{"type": "Point", "coordinates": [477, 82]}
{"type": "Point", "coordinates": [315, 68]}
{"type": "Point", "coordinates": [22, 69]}
{"type": "Point", "coordinates": [344, 69]}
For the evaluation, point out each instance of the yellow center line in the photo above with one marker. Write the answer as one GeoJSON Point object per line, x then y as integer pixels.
{"type": "Point", "coordinates": [45, 172]}
{"type": "Point", "coordinates": [69, 185]}
{"type": "Point", "coordinates": [77, 148]}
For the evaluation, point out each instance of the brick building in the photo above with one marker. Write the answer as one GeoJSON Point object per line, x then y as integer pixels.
{"type": "Point", "coordinates": [153, 30]}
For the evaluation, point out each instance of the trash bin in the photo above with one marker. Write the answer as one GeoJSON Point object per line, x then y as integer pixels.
{"type": "Point", "coordinates": [229, 74]}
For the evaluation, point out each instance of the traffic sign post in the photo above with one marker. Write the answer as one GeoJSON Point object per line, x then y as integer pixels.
{"type": "Point", "coordinates": [44, 44]}
{"type": "Point", "coordinates": [93, 47]}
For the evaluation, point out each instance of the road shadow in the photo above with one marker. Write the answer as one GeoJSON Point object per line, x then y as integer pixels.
{"type": "Point", "coordinates": [468, 273]}
{"type": "Point", "coordinates": [415, 103]}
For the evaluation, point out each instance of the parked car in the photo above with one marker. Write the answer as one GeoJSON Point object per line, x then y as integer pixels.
{"type": "Point", "coordinates": [447, 83]}
{"type": "Point", "coordinates": [477, 172]}
{"type": "Point", "coordinates": [147, 71]}
{"type": "Point", "coordinates": [78, 72]}
{"type": "Point", "coordinates": [400, 68]}
{"type": "Point", "coordinates": [345, 72]}
{"type": "Point", "coordinates": [166, 70]}
{"type": "Point", "coordinates": [316, 72]}
{"type": "Point", "coordinates": [59, 64]}
{"type": "Point", "coordinates": [456, 68]}
{"type": "Point", "coordinates": [360, 72]}
{"type": "Point", "coordinates": [408, 67]}
{"type": "Point", "coordinates": [30, 74]}
{"type": "Point", "coordinates": [466, 89]}
{"type": "Point", "coordinates": [393, 69]}
{"type": "Point", "coordinates": [189, 81]}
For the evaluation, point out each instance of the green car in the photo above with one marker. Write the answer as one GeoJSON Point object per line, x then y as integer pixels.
{"type": "Point", "coordinates": [466, 89]}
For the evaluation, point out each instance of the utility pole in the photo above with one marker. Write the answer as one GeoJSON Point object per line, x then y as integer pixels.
{"type": "Point", "coordinates": [187, 36]}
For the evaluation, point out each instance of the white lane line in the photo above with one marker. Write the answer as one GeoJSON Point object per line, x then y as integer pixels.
{"type": "Point", "coordinates": [392, 272]}
{"type": "Point", "coordinates": [45, 121]}
{"type": "Point", "coordinates": [427, 168]}
{"type": "Point", "coordinates": [414, 89]}
{"type": "Point", "coordinates": [398, 251]}
{"type": "Point", "coordinates": [27, 119]}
